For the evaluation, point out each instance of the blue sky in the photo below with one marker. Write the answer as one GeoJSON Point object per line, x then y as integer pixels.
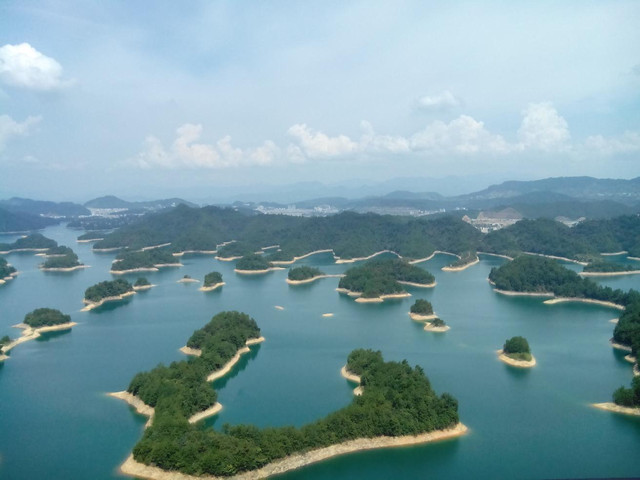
{"type": "Point", "coordinates": [179, 97]}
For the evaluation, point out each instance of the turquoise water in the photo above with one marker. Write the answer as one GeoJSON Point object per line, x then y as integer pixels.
{"type": "Point", "coordinates": [57, 423]}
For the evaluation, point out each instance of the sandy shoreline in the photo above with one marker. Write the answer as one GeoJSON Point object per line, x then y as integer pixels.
{"type": "Point", "coordinates": [228, 259]}
{"type": "Point", "coordinates": [630, 358]}
{"type": "Point", "coordinates": [312, 279]}
{"type": "Point", "coordinates": [496, 255]}
{"type": "Point", "coordinates": [144, 249]}
{"type": "Point", "coordinates": [67, 269]}
{"type": "Point", "coordinates": [89, 240]}
{"type": "Point", "coordinates": [18, 250]}
{"type": "Point", "coordinates": [226, 368]}
{"type": "Point", "coordinates": [553, 301]}
{"type": "Point", "coordinates": [422, 318]}
{"type": "Point", "coordinates": [379, 299]}
{"type": "Point", "coordinates": [188, 280]}
{"type": "Point", "coordinates": [621, 252]}
{"type": "Point", "coordinates": [352, 377]}
{"type": "Point", "coordinates": [511, 293]}
{"type": "Point", "coordinates": [619, 346]}
{"type": "Point", "coordinates": [134, 270]}
{"type": "Point", "coordinates": [503, 357]}
{"type": "Point", "coordinates": [612, 407]}
{"type": "Point", "coordinates": [210, 288]}
{"type": "Point", "coordinates": [203, 252]}
{"type": "Point", "coordinates": [105, 250]}
{"type": "Point", "coordinates": [8, 277]}
{"type": "Point", "coordinates": [327, 315]}
{"type": "Point", "coordinates": [358, 259]}
{"type": "Point", "coordinates": [29, 333]}
{"type": "Point", "coordinates": [143, 287]}
{"type": "Point", "coordinates": [293, 462]}
{"type": "Point", "coordinates": [91, 305]}
{"type": "Point", "coordinates": [554, 257]}
{"type": "Point", "coordinates": [257, 272]}
{"type": "Point", "coordinates": [461, 267]}
{"type": "Point", "coordinates": [418, 285]}
{"type": "Point", "coordinates": [428, 327]}
{"type": "Point", "coordinates": [608, 274]}
{"type": "Point", "coordinates": [295, 259]}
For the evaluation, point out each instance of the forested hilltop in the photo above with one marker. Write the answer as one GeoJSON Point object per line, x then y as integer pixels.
{"type": "Point", "coordinates": [35, 241]}
{"type": "Point", "coordinates": [352, 235]}
{"type": "Point", "coordinates": [397, 400]}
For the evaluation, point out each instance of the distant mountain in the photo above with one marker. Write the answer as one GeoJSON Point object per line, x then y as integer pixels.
{"type": "Point", "coordinates": [111, 201]}
{"type": "Point", "coordinates": [44, 208]}
{"type": "Point", "coordinates": [23, 222]}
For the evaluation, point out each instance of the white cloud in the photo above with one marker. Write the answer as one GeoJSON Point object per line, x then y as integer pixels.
{"type": "Point", "coordinates": [23, 66]}
{"type": "Point", "coordinates": [543, 129]}
{"type": "Point", "coordinates": [319, 145]}
{"type": "Point", "coordinates": [442, 101]}
{"type": "Point", "coordinates": [185, 153]}
{"type": "Point", "coordinates": [629, 142]}
{"type": "Point", "coordinates": [9, 128]}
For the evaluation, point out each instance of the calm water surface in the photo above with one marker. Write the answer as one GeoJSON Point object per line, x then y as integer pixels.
{"type": "Point", "coordinates": [57, 423]}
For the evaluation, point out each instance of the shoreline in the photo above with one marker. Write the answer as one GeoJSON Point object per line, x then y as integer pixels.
{"type": "Point", "coordinates": [429, 328]}
{"type": "Point", "coordinates": [612, 407]}
{"type": "Point", "coordinates": [143, 287]}
{"type": "Point", "coordinates": [621, 252]}
{"type": "Point", "coordinates": [228, 259]}
{"type": "Point", "coordinates": [503, 357]}
{"type": "Point", "coordinates": [104, 250]}
{"type": "Point", "coordinates": [512, 293]}
{"type": "Point", "coordinates": [202, 252]}
{"type": "Point", "coordinates": [210, 288]}
{"type": "Point", "coordinates": [496, 255]}
{"type": "Point", "coordinates": [188, 280]}
{"type": "Point", "coordinates": [422, 318]}
{"type": "Point", "coordinates": [299, 460]}
{"type": "Point", "coordinates": [418, 285]}
{"type": "Point", "coordinates": [461, 267]}
{"type": "Point", "coordinates": [295, 259]}
{"type": "Point", "coordinates": [603, 303]}
{"type": "Point", "coordinates": [89, 240]}
{"type": "Point", "coordinates": [378, 299]}
{"type": "Point", "coordinates": [312, 279]}
{"type": "Point", "coordinates": [619, 346]}
{"type": "Point", "coordinates": [144, 249]}
{"type": "Point", "coordinates": [29, 333]}
{"type": "Point", "coordinates": [64, 269]}
{"type": "Point", "coordinates": [257, 272]}
{"type": "Point", "coordinates": [352, 377]}
{"type": "Point", "coordinates": [554, 257]}
{"type": "Point", "coordinates": [358, 259]}
{"type": "Point", "coordinates": [155, 268]}
{"type": "Point", "coordinates": [608, 274]}
{"type": "Point", "coordinates": [630, 358]}
{"type": "Point", "coordinates": [91, 305]}
{"type": "Point", "coordinates": [11, 276]}
{"type": "Point", "coordinates": [19, 250]}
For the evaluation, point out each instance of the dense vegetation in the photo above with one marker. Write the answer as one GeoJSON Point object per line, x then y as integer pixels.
{"type": "Point", "coordinates": [35, 241]}
{"type": "Point", "coordinates": [304, 272]}
{"type": "Point", "coordinates": [43, 208]}
{"type": "Point", "coordinates": [381, 277]}
{"type": "Point", "coordinates": [92, 235]}
{"type": "Point", "coordinates": [437, 322]}
{"type": "Point", "coordinates": [539, 274]}
{"type": "Point", "coordinates": [236, 249]}
{"type": "Point", "coordinates": [627, 331]}
{"type": "Point", "coordinates": [22, 222]}
{"type": "Point", "coordinates": [212, 278]}
{"type": "Point", "coordinates": [142, 259]}
{"type": "Point", "coordinates": [465, 259]}
{"type": "Point", "coordinates": [45, 317]}
{"type": "Point", "coordinates": [141, 282]}
{"type": "Point", "coordinates": [607, 267]}
{"type": "Point", "coordinates": [628, 397]}
{"type": "Point", "coordinates": [517, 348]}
{"type": "Point", "coordinates": [6, 340]}
{"type": "Point", "coordinates": [5, 269]}
{"type": "Point", "coordinates": [64, 258]}
{"type": "Point", "coordinates": [109, 288]}
{"type": "Point", "coordinates": [397, 400]}
{"type": "Point", "coordinates": [421, 307]}
{"type": "Point", "coordinates": [253, 261]}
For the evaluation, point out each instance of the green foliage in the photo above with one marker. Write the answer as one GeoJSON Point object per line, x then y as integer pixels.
{"type": "Point", "coordinates": [465, 259]}
{"type": "Point", "coordinates": [5, 341]}
{"type": "Point", "coordinates": [45, 317]}
{"type": "Point", "coordinates": [516, 345]}
{"type": "Point", "coordinates": [5, 268]}
{"type": "Point", "coordinates": [22, 222]}
{"type": "Point", "coordinates": [381, 277]}
{"type": "Point", "coordinates": [253, 261]}
{"type": "Point", "coordinates": [109, 288]}
{"type": "Point", "coordinates": [141, 282]}
{"type": "Point", "coordinates": [437, 322]}
{"type": "Point", "coordinates": [67, 258]}
{"type": "Point", "coordinates": [627, 331]}
{"type": "Point", "coordinates": [92, 235]}
{"type": "Point", "coordinates": [607, 267]}
{"type": "Point", "coordinates": [421, 307]}
{"type": "Point", "coordinates": [304, 272]}
{"type": "Point", "coordinates": [212, 278]}
{"type": "Point", "coordinates": [397, 400]}
{"type": "Point", "coordinates": [236, 249]}
{"type": "Point", "coordinates": [628, 397]}
{"type": "Point", "coordinates": [142, 259]}
{"type": "Point", "coordinates": [35, 241]}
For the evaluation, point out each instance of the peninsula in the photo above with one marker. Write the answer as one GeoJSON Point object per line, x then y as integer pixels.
{"type": "Point", "coordinates": [149, 260]}
{"type": "Point", "coordinates": [305, 274]}
{"type": "Point", "coordinates": [7, 271]}
{"type": "Point", "coordinates": [608, 269]}
{"type": "Point", "coordinates": [107, 291]}
{"type": "Point", "coordinates": [142, 284]}
{"type": "Point", "coordinates": [212, 281]}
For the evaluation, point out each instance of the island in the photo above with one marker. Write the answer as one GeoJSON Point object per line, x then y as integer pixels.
{"type": "Point", "coordinates": [625, 400]}
{"type": "Point", "coordinates": [397, 407]}
{"type": "Point", "coordinates": [212, 281]}
{"type": "Point", "coordinates": [188, 279]}
{"type": "Point", "coordinates": [378, 280]}
{"type": "Point", "coordinates": [35, 323]}
{"type": "Point", "coordinates": [436, 325]}
{"type": "Point", "coordinates": [35, 242]}
{"type": "Point", "coordinates": [91, 236]}
{"type": "Point", "coordinates": [143, 261]}
{"type": "Point", "coordinates": [61, 259]}
{"type": "Point", "coordinates": [252, 264]}
{"type": "Point", "coordinates": [607, 269]}
{"type": "Point", "coordinates": [421, 311]}
{"type": "Point", "coordinates": [305, 274]}
{"type": "Point", "coordinates": [107, 291]}
{"type": "Point", "coordinates": [142, 284]}
{"type": "Point", "coordinates": [7, 271]}
{"type": "Point", "coordinates": [516, 352]}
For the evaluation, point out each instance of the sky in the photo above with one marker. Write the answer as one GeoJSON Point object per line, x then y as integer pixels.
{"type": "Point", "coordinates": [156, 99]}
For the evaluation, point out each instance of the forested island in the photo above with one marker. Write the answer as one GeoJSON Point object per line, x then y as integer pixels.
{"type": "Point", "coordinates": [517, 353]}
{"type": "Point", "coordinates": [61, 259]}
{"type": "Point", "coordinates": [422, 310]}
{"type": "Point", "coordinates": [397, 406]}
{"type": "Point", "coordinates": [35, 323]}
{"type": "Point", "coordinates": [253, 263]}
{"type": "Point", "coordinates": [148, 260]}
{"type": "Point", "coordinates": [380, 279]}
{"type": "Point", "coordinates": [212, 281]}
{"type": "Point", "coordinates": [107, 291]}
{"type": "Point", "coordinates": [7, 271]}
{"type": "Point", "coordinates": [306, 274]}
{"type": "Point", "coordinates": [35, 242]}
{"type": "Point", "coordinates": [142, 284]}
